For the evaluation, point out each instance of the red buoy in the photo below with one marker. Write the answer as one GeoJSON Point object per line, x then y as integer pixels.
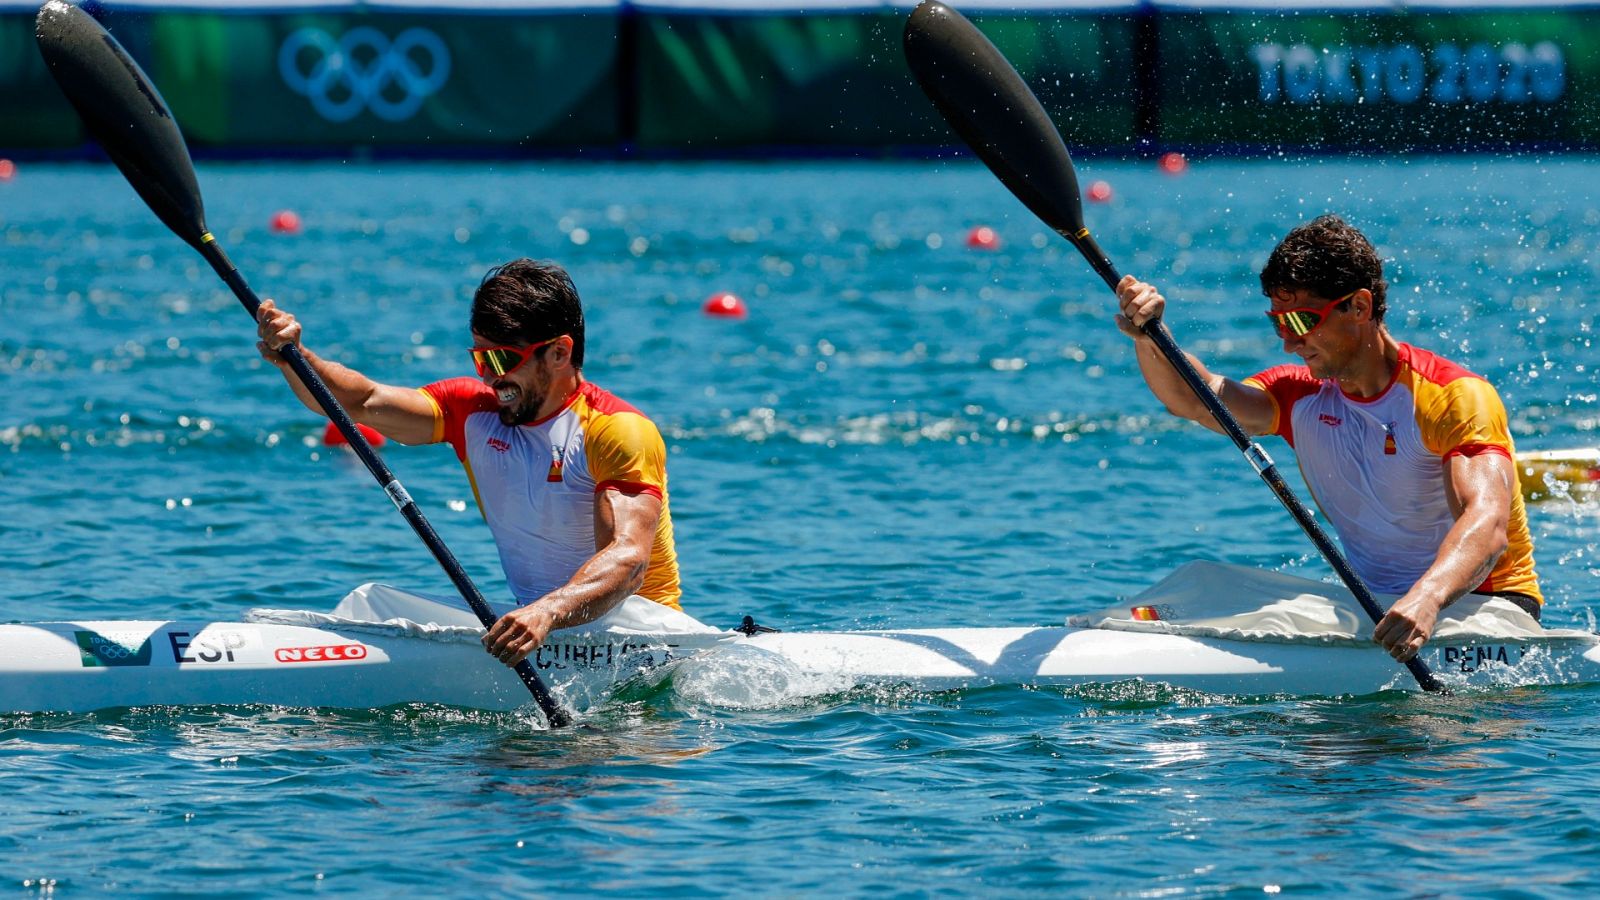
{"type": "Point", "coordinates": [723, 305]}
{"type": "Point", "coordinates": [983, 238]}
{"type": "Point", "coordinates": [333, 437]}
{"type": "Point", "coordinates": [1100, 192]}
{"type": "Point", "coordinates": [286, 221]}
{"type": "Point", "coordinates": [1173, 163]}
{"type": "Point", "coordinates": [8, 170]}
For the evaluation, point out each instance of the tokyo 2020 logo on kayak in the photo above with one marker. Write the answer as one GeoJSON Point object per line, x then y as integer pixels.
{"type": "Point", "coordinates": [363, 69]}
{"type": "Point", "coordinates": [97, 649]}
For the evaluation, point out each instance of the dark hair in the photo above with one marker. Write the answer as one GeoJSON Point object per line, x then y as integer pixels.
{"type": "Point", "coordinates": [524, 302]}
{"type": "Point", "coordinates": [1330, 258]}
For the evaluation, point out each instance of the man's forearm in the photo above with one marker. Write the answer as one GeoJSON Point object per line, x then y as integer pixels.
{"type": "Point", "coordinates": [1169, 387]}
{"type": "Point", "coordinates": [1466, 557]}
{"type": "Point", "coordinates": [599, 585]}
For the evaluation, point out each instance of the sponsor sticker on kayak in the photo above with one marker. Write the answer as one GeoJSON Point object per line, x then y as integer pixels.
{"type": "Point", "coordinates": [332, 653]}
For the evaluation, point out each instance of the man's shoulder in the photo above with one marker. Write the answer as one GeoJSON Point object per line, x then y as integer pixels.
{"type": "Point", "coordinates": [606, 403]}
{"type": "Point", "coordinates": [1287, 384]}
{"type": "Point", "coordinates": [1433, 368]}
{"type": "Point", "coordinates": [608, 420]}
{"type": "Point", "coordinates": [461, 391]}
{"type": "Point", "coordinates": [1287, 373]}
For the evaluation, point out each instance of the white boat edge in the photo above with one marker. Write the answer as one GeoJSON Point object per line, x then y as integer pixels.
{"type": "Point", "coordinates": [309, 659]}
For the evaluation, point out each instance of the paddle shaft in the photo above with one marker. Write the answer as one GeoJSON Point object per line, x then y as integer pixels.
{"type": "Point", "coordinates": [335, 411]}
{"type": "Point", "coordinates": [1157, 331]}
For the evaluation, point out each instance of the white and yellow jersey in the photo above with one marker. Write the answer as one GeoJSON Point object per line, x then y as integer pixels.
{"type": "Point", "coordinates": [536, 483]}
{"type": "Point", "coordinates": [1377, 465]}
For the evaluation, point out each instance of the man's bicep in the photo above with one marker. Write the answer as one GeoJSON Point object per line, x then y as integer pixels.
{"type": "Point", "coordinates": [406, 415]}
{"type": "Point", "coordinates": [628, 518]}
{"type": "Point", "coordinates": [1483, 482]}
{"type": "Point", "coordinates": [1255, 409]}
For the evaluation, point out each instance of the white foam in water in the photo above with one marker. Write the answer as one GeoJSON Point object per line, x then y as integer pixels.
{"type": "Point", "coordinates": [744, 676]}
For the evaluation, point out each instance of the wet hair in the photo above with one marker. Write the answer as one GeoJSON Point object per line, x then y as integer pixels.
{"type": "Point", "coordinates": [525, 301]}
{"type": "Point", "coordinates": [1330, 258]}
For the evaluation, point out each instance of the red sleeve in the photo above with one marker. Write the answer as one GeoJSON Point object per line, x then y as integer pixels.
{"type": "Point", "coordinates": [1286, 385]}
{"type": "Point", "coordinates": [453, 400]}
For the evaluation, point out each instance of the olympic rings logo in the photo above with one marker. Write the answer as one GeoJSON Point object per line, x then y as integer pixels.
{"type": "Point", "coordinates": [108, 650]}
{"type": "Point", "coordinates": [363, 69]}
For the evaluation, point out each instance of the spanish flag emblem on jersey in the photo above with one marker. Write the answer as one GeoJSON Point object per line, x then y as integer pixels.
{"type": "Point", "coordinates": [1389, 448]}
{"type": "Point", "coordinates": [555, 470]}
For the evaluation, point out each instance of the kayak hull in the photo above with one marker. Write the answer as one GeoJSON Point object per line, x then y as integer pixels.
{"type": "Point", "coordinates": [82, 666]}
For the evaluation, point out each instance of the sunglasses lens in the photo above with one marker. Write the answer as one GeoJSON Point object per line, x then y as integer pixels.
{"type": "Point", "coordinates": [494, 362]}
{"type": "Point", "coordinates": [1296, 323]}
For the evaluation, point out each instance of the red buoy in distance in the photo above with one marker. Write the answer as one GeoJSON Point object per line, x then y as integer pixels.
{"type": "Point", "coordinates": [1173, 163]}
{"type": "Point", "coordinates": [286, 221]}
{"type": "Point", "coordinates": [8, 170]}
{"type": "Point", "coordinates": [983, 238]}
{"type": "Point", "coordinates": [333, 437]}
{"type": "Point", "coordinates": [1100, 192]}
{"type": "Point", "coordinates": [723, 305]}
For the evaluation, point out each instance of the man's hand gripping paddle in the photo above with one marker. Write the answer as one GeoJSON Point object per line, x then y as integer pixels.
{"type": "Point", "coordinates": [986, 102]}
{"type": "Point", "coordinates": [121, 110]}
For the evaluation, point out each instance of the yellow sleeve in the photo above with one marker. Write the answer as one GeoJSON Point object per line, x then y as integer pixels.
{"type": "Point", "coordinates": [1464, 417]}
{"type": "Point", "coordinates": [626, 453]}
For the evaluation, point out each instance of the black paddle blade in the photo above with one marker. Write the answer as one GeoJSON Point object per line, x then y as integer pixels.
{"type": "Point", "coordinates": [121, 109]}
{"type": "Point", "coordinates": [986, 102]}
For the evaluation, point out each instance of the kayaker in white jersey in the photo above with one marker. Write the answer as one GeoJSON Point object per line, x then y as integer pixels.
{"type": "Point", "coordinates": [571, 480]}
{"type": "Point", "coordinates": [1408, 455]}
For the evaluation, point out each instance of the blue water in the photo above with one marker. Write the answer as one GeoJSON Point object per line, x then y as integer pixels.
{"type": "Point", "coordinates": [904, 432]}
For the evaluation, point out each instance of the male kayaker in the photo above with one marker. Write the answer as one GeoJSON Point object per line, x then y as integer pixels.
{"type": "Point", "coordinates": [1408, 454]}
{"type": "Point", "coordinates": [572, 480]}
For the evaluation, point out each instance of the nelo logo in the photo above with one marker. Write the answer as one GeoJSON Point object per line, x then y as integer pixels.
{"type": "Point", "coordinates": [1326, 419]}
{"type": "Point", "coordinates": [335, 653]}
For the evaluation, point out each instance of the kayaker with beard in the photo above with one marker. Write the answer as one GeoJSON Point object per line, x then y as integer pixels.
{"type": "Point", "coordinates": [571, 480]}
{"type": "Point", "coordinates": [1409, 455]}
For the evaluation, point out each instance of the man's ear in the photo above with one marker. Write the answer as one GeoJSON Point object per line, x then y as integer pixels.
{"type": "Point", "coordinates": [1361, 304]}
{"type": "Point", "coordinates": [560, 352]}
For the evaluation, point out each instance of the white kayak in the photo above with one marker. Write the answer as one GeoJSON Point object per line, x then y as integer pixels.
{"type": "Point", "coordinates": [1208, 627]}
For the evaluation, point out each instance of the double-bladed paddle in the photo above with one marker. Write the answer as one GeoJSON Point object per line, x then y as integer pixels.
{"type": "Point", "coordinates": [984, 99]}
{"type": "Point", "coordinates": [122, 110]}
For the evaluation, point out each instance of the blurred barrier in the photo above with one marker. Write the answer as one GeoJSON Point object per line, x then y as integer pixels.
{"type": "Point", "coordinates": [840, 80]}
{"type": "Point", "coordinates": [733, 76]}
{"type": "Point", "coordinates": [33, 114]}
{"type": "Point", "coordinates": [1409, 78]}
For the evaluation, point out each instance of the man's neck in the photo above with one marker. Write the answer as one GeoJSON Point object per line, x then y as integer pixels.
{"type": "Point", "coordinates": [1372, 370]}
{"type": "Point", "coordinates": [559, 395]}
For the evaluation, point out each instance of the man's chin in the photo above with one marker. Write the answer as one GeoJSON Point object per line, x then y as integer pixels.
{"type": "Point", "coordinates": [515, 416]}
